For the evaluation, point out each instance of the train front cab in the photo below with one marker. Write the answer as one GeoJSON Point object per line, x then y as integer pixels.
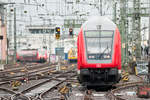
{"type": "Point", "coordinates": [42, 56]}
{"type": "Point", "coordinates": [99, 57]}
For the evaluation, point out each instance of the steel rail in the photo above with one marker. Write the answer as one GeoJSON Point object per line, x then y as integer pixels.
{"type": "Point", "coordinates": [120, 87]}
{"type": "Point", "coordinates": [56, 85]}
{"type": "Point", "coordinates": [25, 67]}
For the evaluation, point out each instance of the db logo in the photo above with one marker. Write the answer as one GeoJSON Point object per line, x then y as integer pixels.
{"type": "Point", "coordinates": [98, 65]}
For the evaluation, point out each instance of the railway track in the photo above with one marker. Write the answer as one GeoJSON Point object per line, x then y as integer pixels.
{"type": "Point", "coordinates": [23, 67]}
{"type": "Point", "coordinates": [119, 92]}
{"type": "Point", "coordinates": [53, 80]}
{"type": "Point", "coordinates": [48, 89]}
{"type": "Point", "coordinates": [104, 94]}
{"type": "Point", "coordinates": [12, 66]}
{"type": "Point", "coordinates": [5, 93]}
{"type": "Point", "coordinates": [19, 97]}
{"type": "Point", "coordinates": [24, 72]}
{"type": "Point", "coordinates": [112, 95]}
{"type": "Point", "coordinates": [56, 87]}
{"type": "Point", "coordinates": [42, 73]}
{"type": "Point", "coordinates": [100, 94]}
{"type": "Point", "coordinates": [32, 73]}
{"type": "Point", "coordinates": [53, 90]}
{"type": "Point", "coordinates": [138, 78]}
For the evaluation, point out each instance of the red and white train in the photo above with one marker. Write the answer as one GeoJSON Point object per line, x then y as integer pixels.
{"type": "Point", "coordinates": [99, 52]}
{"type": "Point", "coordinates": [32, 55]}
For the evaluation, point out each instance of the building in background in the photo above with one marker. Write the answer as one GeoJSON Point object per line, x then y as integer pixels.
{"type": "Point", "coordinates": [3, 42]}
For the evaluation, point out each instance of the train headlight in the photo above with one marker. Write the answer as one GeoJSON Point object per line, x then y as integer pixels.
{"type": "Point", "coordinates": [91, 57]}
{"type": "Point", "coordinates": [119, 71]}
{"type": "Point", "coordinates": [78, 72]}
{"type": "Point", "coordinates": [106, 56]}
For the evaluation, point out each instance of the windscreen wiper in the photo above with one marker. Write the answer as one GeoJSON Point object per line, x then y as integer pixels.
{"type": "Point", "coordinates": [104, 51]}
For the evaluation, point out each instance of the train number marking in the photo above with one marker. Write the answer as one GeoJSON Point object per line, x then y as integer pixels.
{"type": "Point", "coordinates": [98, 65]}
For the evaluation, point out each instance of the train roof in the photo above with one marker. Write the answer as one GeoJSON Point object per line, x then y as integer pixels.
{"type": "Point", "coordinates": [96, 22]}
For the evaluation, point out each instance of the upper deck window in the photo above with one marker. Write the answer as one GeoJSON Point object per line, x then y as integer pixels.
{"type": "Point", "coordinates": [99, 44]}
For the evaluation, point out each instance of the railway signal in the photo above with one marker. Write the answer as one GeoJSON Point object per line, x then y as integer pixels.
{"type": "Point", "coordinates": [71, 31]}
{"type": "Point", "coordinates": [57, 35]}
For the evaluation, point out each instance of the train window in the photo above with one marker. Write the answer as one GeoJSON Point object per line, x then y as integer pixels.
{"type": "Point", "coordinates": [106, 34]}
{"type": "Point", "coordinates": [99, 44]}
{"type": "Point", "coordinates": [92, 34]}
{"type": "Point", "coordinates": [99, 34]}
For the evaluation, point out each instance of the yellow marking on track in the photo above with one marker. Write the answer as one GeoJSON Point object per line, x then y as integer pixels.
{"type": "Point", "coordinates": [125, 76]}
{"type": "Point", "coordinates": [63, 68]}
{"type": "Point", "coordinates": [64, 90]}
{"type": "Point", "coordinates": [52, 71]}
{"type": "Point", "coordinates": [22, 70]}
{"type": "Point", "coordinates": [12, 73]}
{"type": "Point", "coordinates": [72, 65]}
{"type": "Point", "coordinates": [75, 84]}
{"type": "Point", "coordinates": [15, 85]}
{"type": "Point", "coordinates": [42, 74]}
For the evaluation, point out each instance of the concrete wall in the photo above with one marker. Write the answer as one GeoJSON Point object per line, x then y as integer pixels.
{"type": "Point", "coordinates": [3, 43]}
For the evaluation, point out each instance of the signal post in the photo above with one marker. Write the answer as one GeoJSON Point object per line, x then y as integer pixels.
{"type": "Point", "coordinates": [57, 36]}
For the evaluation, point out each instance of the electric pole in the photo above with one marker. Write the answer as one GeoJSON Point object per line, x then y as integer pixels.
{"type": "Point", "coordinates": [149, 28]}
{"type": "Point", "coordinates": [115, 13]}
{"type": "Point", "coordinates": [15, 40]}
{"type": "Point", "coordinates": [136, 27]}
{"type": "Point", "coordinates": [101, 12]}
{"type": "Point", "coordinates": [123, 29]}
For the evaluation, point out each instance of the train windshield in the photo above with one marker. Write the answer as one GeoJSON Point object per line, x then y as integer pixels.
{"type": "Point", "coordinates": [99, 44]}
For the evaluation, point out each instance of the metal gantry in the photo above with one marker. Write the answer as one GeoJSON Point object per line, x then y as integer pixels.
{"type": "Point", "coordinates": [128, 19]}
{"type": "Point", "coordinates": [136, 27]}
{"type": "Point", "coordinates": [15, 39]}
{"type": "Point", "coordinates": [123, 26]}
{"type": "Point", "coordinates": [149, 25]}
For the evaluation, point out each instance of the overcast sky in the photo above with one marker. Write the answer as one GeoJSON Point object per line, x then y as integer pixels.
{"type": "Point", "coordinates": [56, 9]}
{"type": "Point", "coordinates": [40, 11]}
